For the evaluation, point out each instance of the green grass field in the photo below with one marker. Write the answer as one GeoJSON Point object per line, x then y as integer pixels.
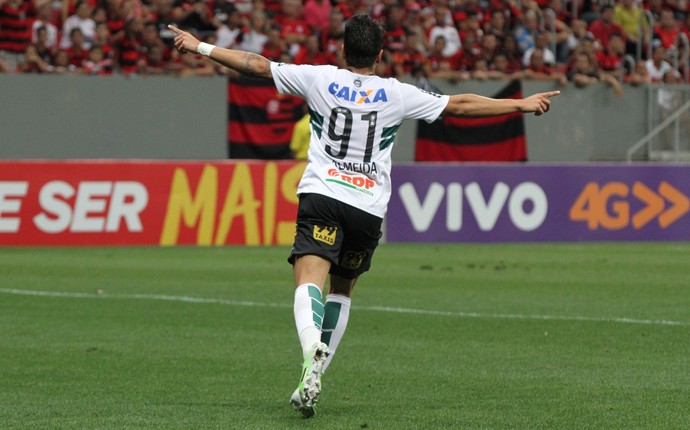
{"type": "Point", "coordinates": [441, 337]}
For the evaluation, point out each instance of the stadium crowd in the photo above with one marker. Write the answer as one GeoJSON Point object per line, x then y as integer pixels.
{"type": "Point", "coordinates": [589, 41]}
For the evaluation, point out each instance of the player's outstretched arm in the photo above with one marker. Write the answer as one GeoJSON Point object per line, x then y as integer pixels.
{"type": "Point", "coordinates": [472, 105]}
{"type": "Point", "coordinates": [246, 63]}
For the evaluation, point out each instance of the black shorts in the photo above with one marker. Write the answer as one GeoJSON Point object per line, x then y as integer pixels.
{"type": "Point", "coordinates": [336, 231]}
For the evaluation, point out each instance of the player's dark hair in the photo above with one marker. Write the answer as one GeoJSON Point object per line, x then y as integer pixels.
{"type": "Point", "coordinates": [363, 41]}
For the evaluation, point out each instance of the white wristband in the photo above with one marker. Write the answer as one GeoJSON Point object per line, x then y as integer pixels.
{"type": "Point", "coordinates": [205, 48]}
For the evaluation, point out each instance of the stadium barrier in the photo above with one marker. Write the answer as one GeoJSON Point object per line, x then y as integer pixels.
{"type": "Point", "coordinates": [254, 203]}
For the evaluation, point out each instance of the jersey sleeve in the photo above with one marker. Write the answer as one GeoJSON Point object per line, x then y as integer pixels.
{"type": "Point", "coordinates": [294, 79]}
{"type": "Point", "coordinates": [420, 104]}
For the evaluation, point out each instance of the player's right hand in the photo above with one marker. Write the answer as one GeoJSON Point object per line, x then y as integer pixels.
{"type": "Point", "coordinates": [539, 103]}
{"type": "Point", "coordinates": [184, 41]}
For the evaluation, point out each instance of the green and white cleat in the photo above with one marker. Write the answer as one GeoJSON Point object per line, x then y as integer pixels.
{"type": "Point", "coordinates": [296, 402]}
{"type": "Point", "coordinates": [309, 389]}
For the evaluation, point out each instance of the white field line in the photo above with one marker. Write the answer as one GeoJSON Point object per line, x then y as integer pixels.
{"type": "Point", "coordinates": [409, 311]}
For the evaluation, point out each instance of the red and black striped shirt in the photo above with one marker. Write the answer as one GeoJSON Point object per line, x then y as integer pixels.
{"type": "Point", "coordinates": [15, 26]}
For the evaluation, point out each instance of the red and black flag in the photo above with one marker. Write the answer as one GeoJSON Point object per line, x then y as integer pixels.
{"type": "Point", "coordinates": [499, 138]}
{"type": "Point", "coordinates": [260, 120]}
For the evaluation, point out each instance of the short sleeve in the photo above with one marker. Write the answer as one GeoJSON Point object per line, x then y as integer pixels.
{"type": "Point", "coordinates": [295, 79]}
{"type": "Point", "coordinates": [420, 104]}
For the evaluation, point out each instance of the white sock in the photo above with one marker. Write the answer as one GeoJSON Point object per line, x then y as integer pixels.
{"type": "Point", "coordinates": [336, 315]}
{"type": "Point", "coordinates": [308, 315]}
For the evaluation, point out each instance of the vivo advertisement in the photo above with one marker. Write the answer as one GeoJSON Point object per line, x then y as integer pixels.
{"type": "Point", "coordinates": [165, 203]}
{"type": "Point", "coordinates": [540, 203]}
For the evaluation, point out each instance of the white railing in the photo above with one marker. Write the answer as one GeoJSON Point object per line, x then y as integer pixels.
{"type": "Point", "coordinates": [666, 120]}
{"type": "Point", "coordinates": [641, 42]}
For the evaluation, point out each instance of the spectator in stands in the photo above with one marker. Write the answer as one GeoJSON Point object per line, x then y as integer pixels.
{"type": "Point", "coordinates": [631, 18]}
{"type": "Point", "coordinates": [332, 38]}
{"type": "Point", "coordinates": [444, 67]}
{"type": "Point", "coordinates": [502, 67]}
{"type": "Point", "coordinates": [275, 47]}
{"type": "Point", "coordinates": [497, 24]}
{"type": "Point", "coordinates": [81, 20]}
{"type": "Point", "coordinates": [526, 30]}
{"type": "Point", "coordinates": [42, 49]}
{"type": "Point", "coordinates": [196, 65]}
{"type": "Point", "coordinates": [489, 46]}
{"type": "Point", "coordinates": [229, 33]}
{"type": "Point", "coordinates": [639, 75]}
{"type": "Point", "coordinates": [511, 13]}
{"type": "Point", "coordinates": [556, 25]}
{"type": "Point", "coordinates": [78, 48]}
{"type": "Point", "coordinates": [539, 70]}
{"type": "Point", "coordinates": [658, 66]}
{"type": "Point", "coordinates": [293, 28]}
{"type": "Point", "coordinates": [410, 61]}
{"type": "Point", "coordinates": [44, 19]}
{"type": "Point", "coordinates": [578, 32]}
{"type": "Point", "coordinates": [61, 64]}
{"type": "Point", "coordinates": [97, 63]}
{"type": "Point", "coordinates": [32, 62]}
{"type": "Point", "coordinates": [510, 48]}
{"type": "Point", "coordinates": [196, 16]}
{"type": "Point", "coordinates": [154, 62]}
{"type": "Point", "coordinates": [128, 48]}
{"type": "Point", "coordinates": [394, 29]}
{"type": "Point", "coordinates": [667, 29]}
{"type": "Point", "coordinates": [541, 41]}
{"type": "Point", "coordinates": [447, 30]}
{"type": "Point", "coordinates": [583, 71]}
{"type": "Point", "coordinates": [316, 14]}
{"type": "Point", "coordinates": [15, 30]}
{"type": "Point", "coordinates": [223, 10]}
{"type": "Point", "coordinates": [254, 39]}
{"type": "Point", "coordinates": [104, 40]}
{"type": "Point", "coordinates": [610, 60]}
{"type": "Point", "coordinates": [602, 27]}
{"type": "Point", "coordinates": [311, 53]}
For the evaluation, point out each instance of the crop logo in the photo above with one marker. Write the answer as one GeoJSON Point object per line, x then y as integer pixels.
{"type": "Point", "coordinates": [359, 183]}
{"type": "Point", "coordinates": [357, 96]}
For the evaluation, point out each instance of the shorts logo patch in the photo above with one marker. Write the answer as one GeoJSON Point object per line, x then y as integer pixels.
{"type": "Point", "coordinates": [325, 234]}
{"type": "Point", "coordinates": [352, 260]}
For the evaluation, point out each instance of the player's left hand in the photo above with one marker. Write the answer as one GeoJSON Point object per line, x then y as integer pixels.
{"type": "Point", "coordinates": [184, 41]}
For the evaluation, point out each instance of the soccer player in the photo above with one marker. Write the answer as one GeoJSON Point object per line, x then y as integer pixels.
{"type": "Point", "coordinates": [346, 186]}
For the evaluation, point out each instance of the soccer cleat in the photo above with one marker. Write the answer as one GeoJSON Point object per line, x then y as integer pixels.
{"type": "Point", "coordinates": [307, 393]}
{"type": "Point", "coordinates": [296, 402]}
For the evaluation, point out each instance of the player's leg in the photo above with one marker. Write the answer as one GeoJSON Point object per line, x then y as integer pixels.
{"type": "Point", "coordinates": [336, 313]}
{"type": "Point", "coordinates": [315, 249]}
{"type": "Point", "coordinates": [362, 234]}
{"type": "Point", "coordinates": [310, 272]}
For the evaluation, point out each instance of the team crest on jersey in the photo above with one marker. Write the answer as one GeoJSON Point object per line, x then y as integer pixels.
{"type": "Point", "coordinates": [325, 234]}
{"type": "Point", "coordinates": [357, 96]}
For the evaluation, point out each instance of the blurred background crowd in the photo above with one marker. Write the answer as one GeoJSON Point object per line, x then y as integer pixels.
{"type": "Point", "coordinates": [581, 41]}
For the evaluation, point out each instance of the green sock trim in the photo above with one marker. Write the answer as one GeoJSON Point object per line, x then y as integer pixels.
{"type": "Point", "coordinates": [317, 309]}
{"type": "Point", "coordinates": [331, 316]}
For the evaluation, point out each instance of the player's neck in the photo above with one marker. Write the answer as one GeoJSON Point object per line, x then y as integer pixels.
{"type": "Point", "coordinates": [368, 71]}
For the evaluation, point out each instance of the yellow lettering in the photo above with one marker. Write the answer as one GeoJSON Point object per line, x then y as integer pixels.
{"type": "Point", "coordinates": [192, 210]}
{"type": "Point", "coordinates": [270, 201]}
{"type": "Point", "coordinates": [285, 230]}
{"type": "Point", "coordinates": [240, 201]}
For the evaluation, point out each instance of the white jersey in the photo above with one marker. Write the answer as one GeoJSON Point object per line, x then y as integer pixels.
{"type": "Point", "coordinates": [354, 120]}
